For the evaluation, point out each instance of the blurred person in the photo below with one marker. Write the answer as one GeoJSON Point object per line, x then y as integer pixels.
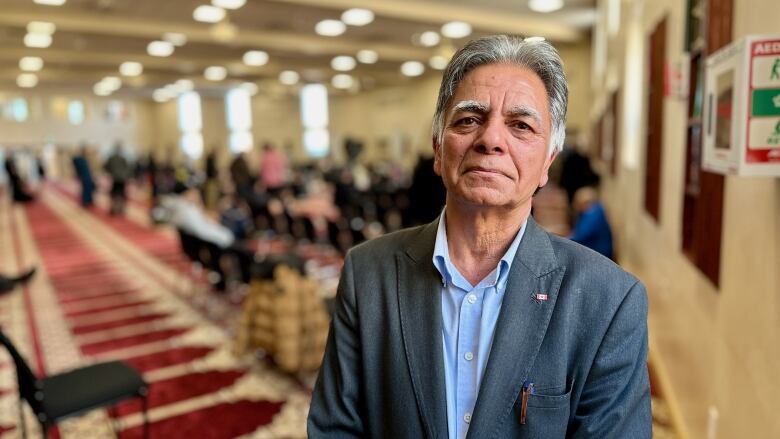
{"type": "Point", "coordinates": [120, 171]}
{"type": "Point", "coordinates": [576, 171]}
{"type": "Point", "coordinates": [591, 228]}
{"type": "Point", "coordinates": [273, 169]}
{"type": "Point", "coordinates": [84, 174]}
{"type": "Point", "coordinates": [211, 183]}
{"type": "Point", "coordinates": [242, 178]}
{"type": "Point", "coordinates": [481, 323]}
{"type": "Point", "coordinates": [426, 194]}
{"type": "Point", "coordinates": [19, 190]}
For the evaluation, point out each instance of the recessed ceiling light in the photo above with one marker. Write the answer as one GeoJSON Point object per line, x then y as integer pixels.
{"type": "Point", "coordinates": [429, 38]}
{"type": "Point", "coordinates": [208, 14]}
{"type": "Point", "coordinates": [112, 82]}
{"type": "Point", "coordinates": [367, 56]}
{"type": "Point", "coordinates": [343, 63]}
{"type": "Point", "coordinates": [534, 39]}
{"type": "Point", "coordinates": [412, 68]}
{"type": "Point", "coordinates": [438, 62]}
{"type": "Point", "coordinates": [289, 77]}
{"type": "Point", "coordinates": [456, 29]}
{"type": "Point", "coordinates": [31, 63]}
{"type": "Point", "coordinates": [342, 81]}
{"type": "Point", "coordinates": [545, 5]}
{"type": "Point", "coordinates": [27, 80]}
{"type": "Point", "coordinates": [224, 31]}
{"type": "Point", "coordinates": [162, 95]}
{"type": "Point", "coordinates": [357, 17]}
{"type": "Point", "coordinates": [255, 58]}
{"type": "Point", "coordinates": [228, 4]}
{"type": "Point", "coordinates": [215, 73]}
{"type": "Point", "coordinates": [175, 38]}
{"type": "Point", "coordinates": [41, 27]}
{"type": "Point", "coordinates": [37, 40]}
{"type": "Point", "coordinates": [50, 2]}
{"type": "Point", "coordinates": [184, 85]}
{"type": "Point", "coordinates": [330, 28]}
{"type": "Point", "coordinates": [100, 89]}
{"type": "Point", "coordinates": [159, 48]}
{"type": "Point", "coordinates": [131, 68]}
{"type": "Point", "coordinates": [250, 88]}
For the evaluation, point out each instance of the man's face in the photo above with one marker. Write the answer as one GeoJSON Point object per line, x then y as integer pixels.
{"type": "Point", "coordinates": [496, 138]}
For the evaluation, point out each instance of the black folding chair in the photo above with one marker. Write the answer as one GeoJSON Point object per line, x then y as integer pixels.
{"type": "Point", "coordinates": [72, 393]}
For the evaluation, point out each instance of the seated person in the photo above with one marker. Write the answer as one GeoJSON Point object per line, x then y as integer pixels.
{"type": "Point", "coordinates": [591, 228]}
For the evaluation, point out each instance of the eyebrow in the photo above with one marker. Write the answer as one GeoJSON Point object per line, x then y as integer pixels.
{"type": "Point", "coordinates": [482, 108]}
{"type": "Point", "coordinates": [525, 111]}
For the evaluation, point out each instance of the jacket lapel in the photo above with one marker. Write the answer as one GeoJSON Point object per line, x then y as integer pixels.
{"type": "Point", "coordinates": [522, 324]}
{"type": "Point", "coordinates": [419, 302]}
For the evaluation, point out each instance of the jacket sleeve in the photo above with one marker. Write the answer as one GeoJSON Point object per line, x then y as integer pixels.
{"type": "Point", "coordinates": [615, 401]}
{"type": "Point", "coordinates": [336, 401]}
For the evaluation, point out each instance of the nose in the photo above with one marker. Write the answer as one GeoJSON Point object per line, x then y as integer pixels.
{"type": "Point", "coordinates": [492, 137]}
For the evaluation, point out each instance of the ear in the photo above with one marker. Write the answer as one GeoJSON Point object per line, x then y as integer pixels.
{"type": "Point", "coordinates": [545, 170]}
{"type": "Point", "coordinates": [436, 156]}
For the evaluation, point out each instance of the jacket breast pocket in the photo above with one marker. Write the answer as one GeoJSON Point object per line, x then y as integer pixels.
{"type": "Point", "coordinates": [547, 415]}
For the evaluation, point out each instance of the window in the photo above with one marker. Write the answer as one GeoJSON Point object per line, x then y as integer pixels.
{"type": "Point", "coordinates": [238, 110]}
{"type": "Point", "coordinates": [708, 29]}
{"type": "Point", "coordinates": [190, 124]}
{"type": "Point", "coordinates": [116, 111]}
{"type": "Point", "coordinates": [314, 117]}
{"type": "Point", "coordinates": [76, 112]}
{"type": "Point", "coordinates": [16, 110]}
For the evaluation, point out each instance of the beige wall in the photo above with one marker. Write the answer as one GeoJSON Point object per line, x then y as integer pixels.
{"type": "Point", "coordinates": [720, 346]}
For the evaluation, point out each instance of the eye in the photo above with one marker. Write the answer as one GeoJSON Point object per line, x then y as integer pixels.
{"type": "Point", "coordinates": [466, 121]}
{"type": "Point", "coordinates": [520, 125]}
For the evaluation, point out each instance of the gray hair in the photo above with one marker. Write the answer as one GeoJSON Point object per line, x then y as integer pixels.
{"type": "Point", "coordinates": [538, 56]}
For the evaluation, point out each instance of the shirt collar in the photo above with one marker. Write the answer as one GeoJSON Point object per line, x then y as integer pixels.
{"type": "Point", "coordinates": [449, 273]}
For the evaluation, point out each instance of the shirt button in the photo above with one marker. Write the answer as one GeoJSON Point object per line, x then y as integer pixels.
{"type": "Point", "coordinates": [472, 298]}
{"type": "Point", "coordinates": [469, 356]}
{"type": "Point", "coordinates": [467, 417]}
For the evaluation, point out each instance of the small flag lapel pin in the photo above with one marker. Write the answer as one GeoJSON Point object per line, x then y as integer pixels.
{"type": "Point", "coordinates": [540, 297]}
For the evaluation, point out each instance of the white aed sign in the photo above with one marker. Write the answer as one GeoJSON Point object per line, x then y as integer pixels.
{"type": "Point", "coordinates": [742, 108]}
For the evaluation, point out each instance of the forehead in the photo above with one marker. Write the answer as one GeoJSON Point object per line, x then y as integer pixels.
{"type": "Point", "coordinates": [503, 86]}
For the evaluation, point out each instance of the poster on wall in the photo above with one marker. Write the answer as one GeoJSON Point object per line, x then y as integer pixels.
{"type": "Point", "coordinates": [763, 139]}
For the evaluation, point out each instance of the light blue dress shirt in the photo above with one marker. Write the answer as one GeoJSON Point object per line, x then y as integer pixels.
{"type": "Point", "coordinates": [469, 314]}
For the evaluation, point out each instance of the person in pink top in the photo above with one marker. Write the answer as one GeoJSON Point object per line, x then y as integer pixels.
{"type": "Point", "coordinates": [273, 168]}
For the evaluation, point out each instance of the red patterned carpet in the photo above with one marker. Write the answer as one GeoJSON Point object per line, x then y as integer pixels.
{"type": "Point", "coordinates": [114, 309]}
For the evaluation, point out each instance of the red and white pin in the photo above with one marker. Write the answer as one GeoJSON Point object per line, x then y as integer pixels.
{"type": "Point", "coordinates": [540, 297]}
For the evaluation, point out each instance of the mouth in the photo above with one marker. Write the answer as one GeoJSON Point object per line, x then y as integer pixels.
{"type": "Point", "coordinates": [484, 171]}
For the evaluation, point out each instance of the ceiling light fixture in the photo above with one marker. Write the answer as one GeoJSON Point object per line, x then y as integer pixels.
{"type": "Point", "coordinates": [430, 38]}
{"type": "Point", "coordinates": [456, 29]}
{"type": "Point", "coordinates": [438, 62]}
{"type": "Point", "coordinates": [255, 58]}
{"type": "Point", "coordinates": [159, 48]}
{"type": "Point", "coordinates": [533, 39]}
{"type": "Point", "coordinates": [27, 80]}
{"type": "Point", "coordinates": [289, 77]}
{"type": "Point", "coordinates": [31, 63]}
{"type": "Point", "coordinates": [50, 2]}
{"type": "Point", "coordinates": [40, 41]}
{"type": "Point", "coordinates": [343, 63]}
{"type": "Point", "coordinates": [545, 6]}
{"type": "Point", "coordinates": [184, 85]}
{"type": "Point", "coordinates": [250, 88]}
{"type": "Point", "coordinates": [228, 4]}
{"type": "Point", "coordinates": [175, 38]}
{"type": "Point", "coordinates": [41, 27]}
{"type": "Point", "coordinates": [100, 89]}
{"type": "Point", "coordinates": [208, 14]}
{"type": "Point", "coordinates": [131, 68]}
{"type": "Point", "coordinates": [161, 95]}
{"type": "Point", "coordinates": [342, 81]}
{"type": "Point", "coordinates": [330, 28]}
{"type": "Point", "coordinates": [367, 56]}
{"type": "Point", "coordinates": [412, 68]}
{"type": "Point", "coordinates": [112, 82]}
{"type": "Point", "coordinates": [215, 73]}
{"type": "Point", "coordinates": [357, 17]}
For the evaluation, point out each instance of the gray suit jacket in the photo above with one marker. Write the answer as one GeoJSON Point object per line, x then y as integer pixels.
{"type": "Point", "coordinates": [585, 348]}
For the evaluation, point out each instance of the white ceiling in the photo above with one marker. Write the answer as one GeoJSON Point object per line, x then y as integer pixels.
{"type": "Point", "coordinates": [94, 36]}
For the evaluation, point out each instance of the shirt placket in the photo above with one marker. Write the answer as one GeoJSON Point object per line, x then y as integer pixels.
{"type": "Point", "coordinates": [468, 347]}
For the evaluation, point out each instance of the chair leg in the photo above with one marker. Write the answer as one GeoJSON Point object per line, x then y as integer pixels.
{"type": "Point", "coordinates": [22, 424]}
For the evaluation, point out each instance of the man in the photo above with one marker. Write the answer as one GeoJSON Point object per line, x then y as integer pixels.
{"type": "Point", "coordinates": [84, 174]}
{"type": "Point", "coordinates": [481, 323]}
{"type": "Point", "coordinates": [120, 171]}
{"type": "Point", "coordinates": [592, 227]}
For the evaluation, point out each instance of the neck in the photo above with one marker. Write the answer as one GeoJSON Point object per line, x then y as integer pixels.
{"type": "Point", "coordinates": [478, 238]}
